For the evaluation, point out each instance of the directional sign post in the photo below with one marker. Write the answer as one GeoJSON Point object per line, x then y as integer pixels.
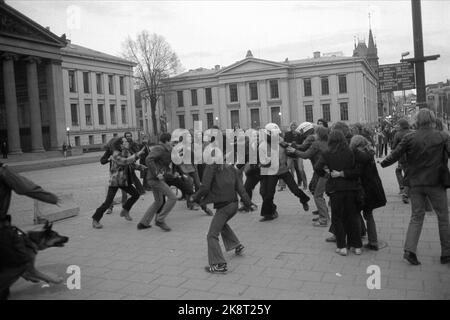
{"type": "Point", "coordinates": [396, 77]}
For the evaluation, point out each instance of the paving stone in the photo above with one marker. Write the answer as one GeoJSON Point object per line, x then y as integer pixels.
{"type": "Point", "coordinates": [169, 281]}
{"type": "Point", "coordinates": [167, 293]}
{"type": "Point", "coordinates": [229, 288]}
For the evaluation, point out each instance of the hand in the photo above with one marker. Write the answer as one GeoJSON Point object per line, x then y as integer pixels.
{"type": "Point", "coordinates": [336, 174]}
{"type": "Point", "coordinates": [290, 149]}
{"type": "Point", "coordinates": [160, 176]}
{"type": "Point", "coordinates": [143, 168]}
{"type": "Point", "coordinates": [176, 175]}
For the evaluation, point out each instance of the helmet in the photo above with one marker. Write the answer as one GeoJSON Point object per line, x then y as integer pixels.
{"type": "Point", "coordinates": [304, 126]}
{"type": "Point", "coordinates": [273, 127]}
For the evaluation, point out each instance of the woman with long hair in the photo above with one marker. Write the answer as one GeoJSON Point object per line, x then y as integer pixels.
{"type": "Point", "coordinates": [338, 163]}
{"type": "Point", "coordinates": [121, 164]}
{"type": "Point", "coordinates": [374, 196]}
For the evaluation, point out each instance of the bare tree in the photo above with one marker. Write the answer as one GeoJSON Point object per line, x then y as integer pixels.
{"type": "Point", "coordinates": [155, 61]}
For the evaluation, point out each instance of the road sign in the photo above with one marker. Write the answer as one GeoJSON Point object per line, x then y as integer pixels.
{"type": "Point", "coordinates": [396, 77]}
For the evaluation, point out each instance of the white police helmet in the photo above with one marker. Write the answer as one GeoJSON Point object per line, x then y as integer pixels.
{"type": "Point", "coordinates": [304, 126]}
{"type": "Point", "coordinates": [273, 127]}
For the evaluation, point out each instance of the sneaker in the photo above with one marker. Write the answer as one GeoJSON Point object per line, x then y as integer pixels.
{"type": "Point", "coordinates": [208, 211]}
{"type": "Point", "coordinates": [239, 249]}
{"type": "Point", "coordinates": [124, 213]}
{"type": "Point", "coordinates": [96, 225]}
{"type": "Point", "coordinates": [315, 219]}
{"type": "Point", "coordinates": [194, 207]}
{"type": "Point", "coordinates": [305, 205]}
{"type": "Point", "coordinates": [342, 252]}
{"type": "Point", "coordinates": [109, 211]}
{"type": "Point", "coordinates": [357, 251]}
{"type": "Point", "coordinates": [281, 188]}
{"type": "Point", "coordinates": [405, 199]}
{"type": "Point", "coordinates": [163, 226]}
{"type": "Point", "coordinates": [331, 239]}
{"type": "Point", "coordinates": [411, 257]}
{"type": "Point", "coordinates": [243, 209]}
{"type": "Point", "coordinates": [142, 226]}
{"type": "Point", "coordinates": [217, 268]}
{"type": "Point", "coordinates": [266, 218]}
{"type": "Point", "coordinates": [373, 247]}
{"type": "Point", "coordinates": [320, 224]}
{"type": "Point", "coordinates": [315, 212]}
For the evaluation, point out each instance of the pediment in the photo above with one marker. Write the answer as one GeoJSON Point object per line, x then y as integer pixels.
{"type": "Point", "coordinates": [13, 24]}
{"type": "Point", "coordinates": [252, 64]}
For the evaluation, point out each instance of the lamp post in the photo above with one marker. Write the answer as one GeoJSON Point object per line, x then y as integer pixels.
{"type": "Point", "coordinates": [68, 136]}
{"type": "Point", "coordinates": [404, 54]}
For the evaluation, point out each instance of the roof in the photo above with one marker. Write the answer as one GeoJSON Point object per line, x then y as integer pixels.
{"type": "Point", "coordinates": [83, 52]}
{"type": "Point", "coordinates": [197, 72]}
{"type": "Point", "coordinates": [317, 60]}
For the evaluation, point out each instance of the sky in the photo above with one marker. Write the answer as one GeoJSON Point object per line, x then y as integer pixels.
{"type": "Point", "coordinates": [209, 33]}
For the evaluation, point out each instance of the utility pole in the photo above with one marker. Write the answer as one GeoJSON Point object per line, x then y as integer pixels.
{"type": "Point", "coordinates": [419, 59]}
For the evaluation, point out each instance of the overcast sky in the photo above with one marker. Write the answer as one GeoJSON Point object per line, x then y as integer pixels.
{"type": "Point", "coordinates": [206, 33]}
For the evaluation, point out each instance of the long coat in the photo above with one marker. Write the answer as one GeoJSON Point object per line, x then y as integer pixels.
{"type": "Point", "coordinates": [370, 180]}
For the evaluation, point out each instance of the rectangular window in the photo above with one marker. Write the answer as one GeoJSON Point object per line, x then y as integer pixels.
{"type": "Point", "coordinates": [326, 112]}
{"type": "Point", "coordinates": [274, 89]}
{"type": "Point", "coordinates": [276, 115]}
{"type": "Point", "coordinates": [112, 113]}
{"type": "Point", "coordinates": [307, 87]}
{"type": "Point", "coordinates": [253, 87]}
{"type": "Point", "coordinates": [99, 78]}
{"type": "Point", "coordinates": [123, 112]}
{"type": "Point", "coordinates": [74, 114]}
{"type": "Point", "coordinates": [234, 118]}
{"type": "Point", "coordinates": [208, 96]}
{"type": "Point", "coordinates": [86, 83]}
{"type": "Point", "coordinates": [343, 83]}
{"type": "Point", "coordinates": [122, 86]}
{"type": "Point", "coordinates": [103, 138]}
{"type": "Point", "coordinates": [309, 113]}
{"type": "Point", "coordinates": [180, 98]}
{"type": "Point", "coordinates": [181, 121]}
{"type": "Point", "coordinates": [194, 97]}
{"type": "Point", "coordinates": [88, 114]}
{"type": "Point", "coordinates": [325, 88]}
{"type": "Point", "coordinates": [91, 139]}
{"type": "Point", "coordinates": [101, 114]}
{"type": "Point", "coordinates": [111, 84]}
{"type": "Point", "coordinates": [77, 141]}
{"type": "Point", "coordinates": [254, 118]}
{"type": "Point", "coordinates": [344, 110]}
{"type": "Point", "coordinates": [141, 124]}
{"type": "Point", "coordinates": [233, 93]}
{"type": "Point", "coordinates": [72, 81]}
{"type": "Point", "coordinates": [209, 120]}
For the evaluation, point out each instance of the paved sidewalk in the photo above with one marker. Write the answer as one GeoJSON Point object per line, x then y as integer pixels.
{"type": "Point", "coordinates": [284, 259]}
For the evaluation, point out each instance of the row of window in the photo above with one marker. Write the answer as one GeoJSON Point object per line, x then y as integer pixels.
{"type": "Point", "coordinates": [91, 140]}
{"type": "Point", "coordinates": [74, 112]}
{"type": "Point", "coordinates": [275, 114]}
{"type": "Point", "coordinates": [99, 83]}
{"type": "Point", "coordinates": [273, 92]}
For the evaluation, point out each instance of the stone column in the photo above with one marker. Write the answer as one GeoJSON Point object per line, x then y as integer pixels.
{"type": "Point", "coordinates": [56, 105]}
{"type": "Point", "coordinates": [12, 121]}
{"type": "Point", "coordinates": [33, 99]}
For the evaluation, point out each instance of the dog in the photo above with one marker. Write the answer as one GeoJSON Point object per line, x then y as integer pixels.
{"type": "Point", "coordinates": [41, 240]}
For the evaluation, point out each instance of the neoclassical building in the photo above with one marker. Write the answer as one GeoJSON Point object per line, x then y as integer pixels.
{"type": "Point", "coordinates": [52, 90]}
{"type": "Point", "coordinates": [253, 92]}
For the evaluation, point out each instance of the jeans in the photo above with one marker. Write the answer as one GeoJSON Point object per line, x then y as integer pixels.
{"type": "Point", "coordinates": [371, 227]}
{"type": "Point", "coordinates": [219, 225]}
{"type": "Point", "coordinates": [439, 201]}
{"type": "Point", "coordinates": [320, 200]}
{"type": "Point", "coordinates": [250, 183]}
{"type": "Point", "coordinates": [346, 219]}
{"type": "Point", "coordinates": [110, 198]}
{"type": "Point", "coordinates": [160, 189]}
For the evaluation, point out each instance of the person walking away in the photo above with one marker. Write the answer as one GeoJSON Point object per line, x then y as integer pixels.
{"type": "Point", "coordinates": [4, 147]}
{"type": "Point", "coordinates": [372, 187]}
{"type": "Point", "coordinates": [400, 171]}
{"type": "Point", "coordinates": [121, 164]}
{"type": "Point", "coordinates": [427, 152]}
{"type": "Point", "coordinates": [220, 185]}
{"type": "Point", "coordinates": [342, 187]}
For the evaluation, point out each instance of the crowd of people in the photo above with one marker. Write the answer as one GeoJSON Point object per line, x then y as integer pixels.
{"type": "Point", "coordinates": [343, 158]}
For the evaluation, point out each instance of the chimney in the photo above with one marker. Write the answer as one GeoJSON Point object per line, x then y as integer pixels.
{"type": "Point", "coordinates": [217, 67]}
{"type": "Point", "coordinates": [316, 54]}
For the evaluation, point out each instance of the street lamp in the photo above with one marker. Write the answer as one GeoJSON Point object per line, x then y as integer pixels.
{"type": "Point", "coordinates": [68, 136]}
{"type": "Point", "coordinates": [404, 54]}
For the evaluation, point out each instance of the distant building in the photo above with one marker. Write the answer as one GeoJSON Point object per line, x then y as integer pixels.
{"type": "Point", "coordinates": [253, 92]}
{"type": "Point", "coordinates": [52, 91]}
{"type": "Point", "coordinates": [438, 99]}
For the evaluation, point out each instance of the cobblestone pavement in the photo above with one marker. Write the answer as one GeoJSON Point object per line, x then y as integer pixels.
{"type": "Point", "coordinates": [284, 259]}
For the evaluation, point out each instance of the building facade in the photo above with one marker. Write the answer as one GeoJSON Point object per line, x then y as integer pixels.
{"type": "Point", "coordinates": [52, 91]}
{"type": "Point", "coordinates": [253, 92]}
{"type": "Point", "coordinates": [438, 99]}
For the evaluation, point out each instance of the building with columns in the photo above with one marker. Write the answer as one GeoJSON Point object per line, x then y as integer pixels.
{"type": "Point", "coordinates": [48, 85]}
{"type": "Point", "coordinates": [253, 92]}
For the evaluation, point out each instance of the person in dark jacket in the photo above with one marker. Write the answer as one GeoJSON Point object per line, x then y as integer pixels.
{"type": "Point", "coordinates": [427, 152]}
{"type": "Point", "coordinates": [122, 163]}
{"type": "Point", "coordinates": [158, 165]}
{"type": "Point", "coordinates": [305, 137]}
{"type": "Point", "coordinates": [4, 147]}
{"type": "Point", "coordinates": [13, 260]}
{"type": "Point", "coordinates": [338, 163]}
{"type": "Point", "coordinates": [401, 169]}
{"type": "Point", "coordinates": [374, 196]}
{"type": "Point", "coordinates": [220, 185]}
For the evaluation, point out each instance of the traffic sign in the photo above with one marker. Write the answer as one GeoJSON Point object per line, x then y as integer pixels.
{"type": "Point", "coordinates": [396, 77]}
